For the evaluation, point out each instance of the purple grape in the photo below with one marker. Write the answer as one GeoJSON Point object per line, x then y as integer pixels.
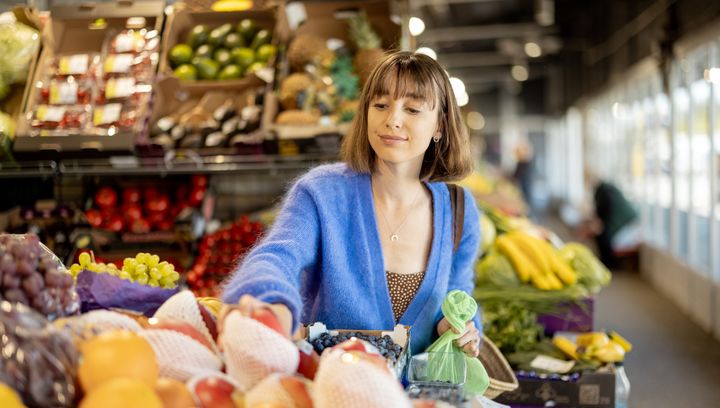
{"type": "Point", "coordinates": [16, 295]}
{"type": "Point", "coordinates": [54, 278]}
{"type": "Point", "coordinates": [19, 250]}
{"type": "Point", "coordinates": [11, 281]}
{"type": "Point", "coordinates": [23, 268]}
{"type": "Point", "coordinates": [33, 284]}
{"type": "Point", "coordinates": [42, 300]}
{"type": "Point", "coordinates": [66, 280]}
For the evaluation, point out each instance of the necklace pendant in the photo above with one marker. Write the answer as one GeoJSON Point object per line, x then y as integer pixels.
{"type": "Point", "coordinates": [394, 237]}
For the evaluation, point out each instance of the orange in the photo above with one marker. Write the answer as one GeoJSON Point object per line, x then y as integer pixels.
{"type": "Point", "coordinates": [117, 354]}
{"type": "Point", "coordinates": [173, 393]}
{"type": "Point", "coordinates": [122, 393]}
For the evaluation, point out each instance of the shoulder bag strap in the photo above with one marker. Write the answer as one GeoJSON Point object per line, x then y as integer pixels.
{"type": "Point", "coordinates": [457, 204]}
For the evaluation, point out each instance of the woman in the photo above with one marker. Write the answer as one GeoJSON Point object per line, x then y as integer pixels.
{"type": "Point", "coordinates": [368, 243]}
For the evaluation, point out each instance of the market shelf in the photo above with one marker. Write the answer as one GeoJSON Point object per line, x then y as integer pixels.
{"type": "Point", "coordinates": [29, 169]}
{"type": "Point", "coordinates": [161, 166]}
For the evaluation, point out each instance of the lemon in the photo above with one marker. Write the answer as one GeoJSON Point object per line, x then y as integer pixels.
{"type": "Point", "coordinates": [121, 393]}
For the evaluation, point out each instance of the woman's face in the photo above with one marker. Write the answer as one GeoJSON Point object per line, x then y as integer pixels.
{"type": "Point", "coordinates": [400, 130]}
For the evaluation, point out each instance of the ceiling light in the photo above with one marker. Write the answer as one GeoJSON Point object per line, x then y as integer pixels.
{"type": "Point", "coordinates": [532, 49]}
{"type": "Point", "coordinates": [458, 86]}
{"type": "Point", "coordinates": [462, 99]}
{"type": "Point", "coordinates": [427, 51]}
{"type": "Point", "coordinates": [416, 26]}
{"type": "Point", "coordinates": [519, 73]}
{"type": "Point", "coordinates": [475, 120]}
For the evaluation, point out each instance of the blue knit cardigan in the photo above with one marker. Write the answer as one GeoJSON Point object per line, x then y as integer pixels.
{"type": "Point", "coordinates": [323, 259]}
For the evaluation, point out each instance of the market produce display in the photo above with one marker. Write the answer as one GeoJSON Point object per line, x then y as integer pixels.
{"type": "Point", "coordinates": [144, 268]}
{"type": "Point", "coordinates": [96, 93]}
{"type": "Point", "coordinates": [221, 53]}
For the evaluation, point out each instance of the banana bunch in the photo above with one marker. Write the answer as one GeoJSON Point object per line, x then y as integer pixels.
{"type": "Point", "coordinates": [535, 261]}
{"type": "Point", "coordinates": [598, 346]}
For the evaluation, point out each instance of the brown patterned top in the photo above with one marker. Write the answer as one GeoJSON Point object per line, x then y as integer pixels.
{"type": "Point", "coordinates": [403, 288]}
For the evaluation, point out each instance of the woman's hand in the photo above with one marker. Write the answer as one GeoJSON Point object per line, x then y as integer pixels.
{"type": "Point", "coordinates": [469, 340]}
{"type": "Point", "coordinates": [249, 304]}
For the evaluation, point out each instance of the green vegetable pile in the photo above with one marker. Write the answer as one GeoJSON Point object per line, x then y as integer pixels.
{"type": "Point", "coordinates": [511, 326]}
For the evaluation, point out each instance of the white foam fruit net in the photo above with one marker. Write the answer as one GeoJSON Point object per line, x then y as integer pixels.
{"type": "Point", "coordinates": [180, 356]}
{"type": "Point", "coordinates": [106, 320]}
{"type": "Point", "coordinates": [338, 378]}
{"type": "Point", "coordinates": [253, 351]}
{"type": "Point", "coordinates": [184, 306]}
{"type": "Point", "coordinates": [270, 391]}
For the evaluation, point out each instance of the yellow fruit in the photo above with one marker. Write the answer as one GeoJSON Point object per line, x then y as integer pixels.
{"type": "Point", "coordinates": [117, 354]}
{"type": "Point", "coordinates": [592, 339]}
{"type": "Point", "coordinates": [525, 243]}
{"type": "Point", "coordinates": [173, 393]}
{"type": "Point", "coordinates": [566, 346]}
{"type": "Point", "coordinates": [122, 393]}
{"type": "Point", "coordinates": [622, 341]}
{"type": "Point", "coordinates": [610, 352]}
{"type": "Point", "coordinates": [523, 267]}
{"type": "Point", "coordinates": [9, 398]}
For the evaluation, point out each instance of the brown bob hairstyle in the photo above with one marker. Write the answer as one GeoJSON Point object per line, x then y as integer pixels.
{"type": "Point", "coordinates": [403, 74]}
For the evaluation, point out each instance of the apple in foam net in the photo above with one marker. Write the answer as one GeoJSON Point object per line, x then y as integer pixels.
{"type": "Point", "coordinates": [181, 327]}
{"type": "Point", "coordinates": [267, 317]}
{"type": "Point", "coordinates": [214, 392]}
{"type": "Point", "coordinates": [309, 361]}
{"type": "Point", "coordinates": [297, 388]}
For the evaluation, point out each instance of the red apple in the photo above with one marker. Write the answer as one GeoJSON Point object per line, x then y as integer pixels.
{"type": "Point", "coordinates": [309, 361]}
{"type": "Point", "coordinates": [267, 317]}
{"type": "Point", "coordinates": [209, 321]}
{"type": "Point", "coordinates": [199, 180]}
{"type": "Point", "coordinates": [140, 226]}
{"type": "Point", "coordinates": [132, 211]}
{"type": "Point", "coordinates": [181, 327]}
{"type": "Point", "coordinates": [115, 223]}
{"type": "Point", "coordinates": [196, 196]}
{"type": "Point", "coordinates": [131, 195]}
{"type": "Point", "coordinates": [106, 197]}
{"type": "Point", "coordinates": [157, 203]}
{"type": "Point", "coordinates": [94, 218]}
{"type": "Point", "coordinates": [214, 392]}
{"type": "Point", "coordinates": [297, 388]}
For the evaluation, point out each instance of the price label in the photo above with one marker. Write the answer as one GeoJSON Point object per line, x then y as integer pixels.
{"type": "Point", "coordinates": [124, 43]}
{"type": "Point", "coordinates": [119, 63]}
{"type": "Point", "coordinates": [119, 88]}
{"type": "Point", "coordinates": [63, 93]}
{"type": "Point", "coordinates": [74, 64]}
{"type": "Point", "coordinates": [552, 364]}
{"type": "Point", "coordinates": [107, 114]}
{"type": "Point", "coordinates": [48, 113]}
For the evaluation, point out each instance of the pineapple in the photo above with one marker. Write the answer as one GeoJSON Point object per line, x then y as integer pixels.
{"type": "Point", "coordinates": [291, 86]}
{"type": "Point", "coordinates": [369, 46]}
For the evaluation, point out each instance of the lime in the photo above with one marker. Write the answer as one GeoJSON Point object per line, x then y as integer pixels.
{"type": "Point", "coordinates": [186, 72]}
{"type": "Point", "coordinates": [222, 56]}
{"type": "Point", "coordinates": [180, 54]}
{"type": "Point", "coordinates": [231, 71]}
{"type": "Point", "coordinates": [198, 35]}
{"type": "Point", "coordinates": [234, 40]}
{"type": "Point", "coordinates": [217, 35]}
{"type": "Point", "coordinates": [255, 66]}
{"type": "Point", "coordinates": [266, 52]}
{"type": "Point", "coordinates": [207, 68]}
{"type": "Point", "coordinates": [242, 56]}
{"type": "Point", "coordinates": [262, 37]}
{"type": "Point", "coordinates": [247, 29]}
{"type": "Point", "coordinates": [204, 51]}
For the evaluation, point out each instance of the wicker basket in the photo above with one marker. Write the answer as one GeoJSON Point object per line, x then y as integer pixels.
{"type": "Point", "coordinates": [502, 378]}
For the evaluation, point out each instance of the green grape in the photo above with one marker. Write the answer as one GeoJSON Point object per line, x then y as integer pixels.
{"type": "Point", "coordinates": [142, 279]}
{"type": "Point", "coordinates": [75, 269]}
{"type": "Point", "coordinates": [152, 261]}
{"type": "Point", "coordinates": [141, 270]}
{"type": "Point", "coordinates": [175, 275]}
{"type": "Point", "coordinates": [84, 259]}
{"type": "Point", "coordinates": [155, 274]}
{"type": "Point", "coordinates": [167, 282]}
{"type": "Point", "coordinates": [141, 257]}
{"type": "Point", "coordinates": [153, 283]}
{"type": "Point", "coordinates": [124, 275]}
{"type": "Point", "coordinates": [129, 263]}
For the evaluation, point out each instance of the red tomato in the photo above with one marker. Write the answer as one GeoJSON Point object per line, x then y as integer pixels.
{"type": "Point", "coordinates": [106, 197]}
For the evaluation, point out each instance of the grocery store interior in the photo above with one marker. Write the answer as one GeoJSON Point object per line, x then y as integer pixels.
{"type": "Point", "coordinates": [149, 144]}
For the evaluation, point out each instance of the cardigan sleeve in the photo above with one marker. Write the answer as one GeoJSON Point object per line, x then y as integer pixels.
{"type": "Point", "coordinates": [271, 271]}
{"type": "Point", "coordinates": [462, 274]}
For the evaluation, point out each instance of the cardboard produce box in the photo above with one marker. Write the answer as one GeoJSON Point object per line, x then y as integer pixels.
{"type": "Point", "coordinates": [399, 335]}
{"type": "Point", "coordinates": [590, 390]}
{"type": "Point", "coordinates": [329, 20]}
{"type": "Point", "coordinates": [84, 29]}
{"type": "Point", "coordinates": [181, 22]}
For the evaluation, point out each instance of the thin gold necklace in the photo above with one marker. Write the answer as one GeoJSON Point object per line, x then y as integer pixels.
{"type": "Point", "coordinates": [394, 233]}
